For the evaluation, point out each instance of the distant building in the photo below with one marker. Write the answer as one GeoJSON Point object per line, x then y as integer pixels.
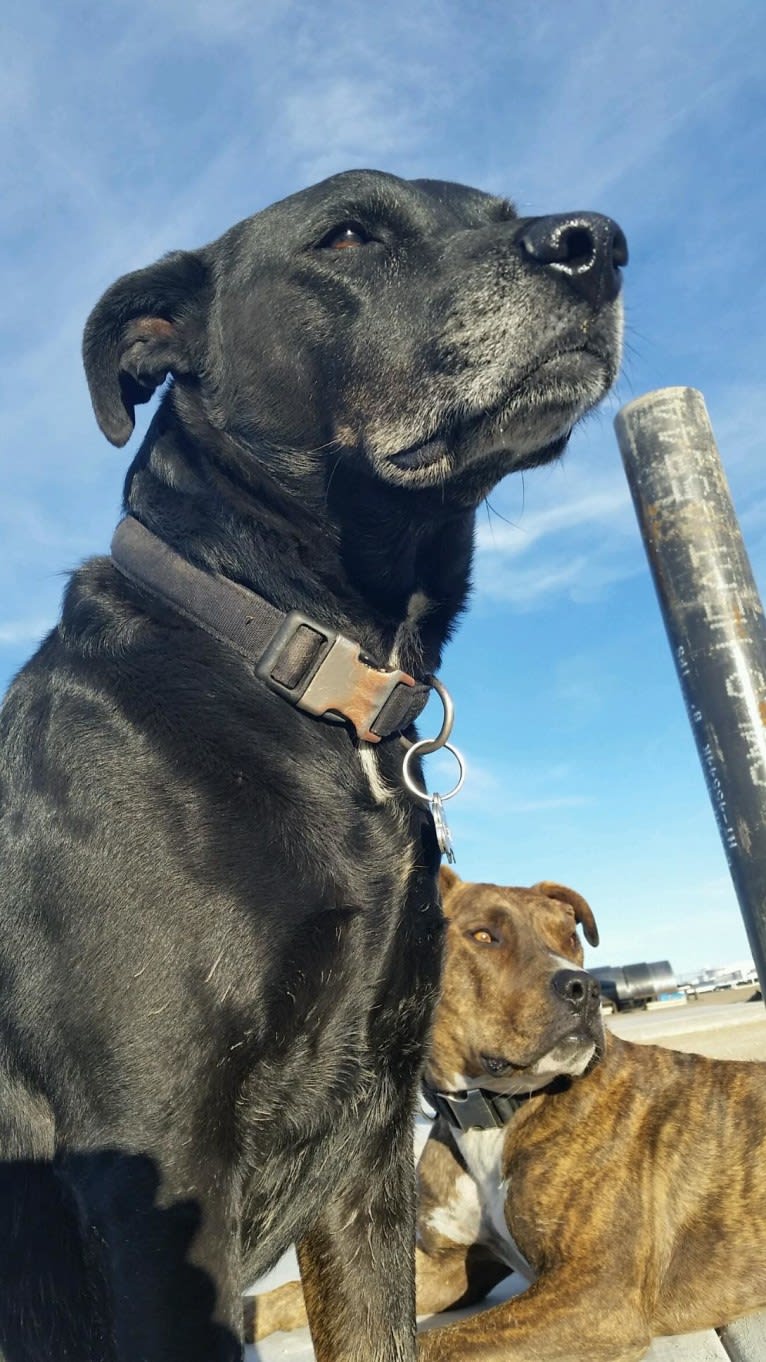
{"type": "Point", "coordinates": [721, 976]}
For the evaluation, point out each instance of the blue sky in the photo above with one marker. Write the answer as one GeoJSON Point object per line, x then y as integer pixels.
{"type": "Point", "coordinates": [131, 129]}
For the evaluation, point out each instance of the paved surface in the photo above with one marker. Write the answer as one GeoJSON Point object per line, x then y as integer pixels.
{"type": "Point", "coordinates": [735, 1031]}
{"type": "Point", "coordinates": [745, 1340]}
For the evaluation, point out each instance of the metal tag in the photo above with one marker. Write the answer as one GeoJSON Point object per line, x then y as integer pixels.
{"type": "Point", "coordinates": [443, 836]}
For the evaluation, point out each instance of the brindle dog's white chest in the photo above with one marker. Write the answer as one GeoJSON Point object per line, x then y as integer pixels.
{"type": "Point", "coordinates": [482, 1151]}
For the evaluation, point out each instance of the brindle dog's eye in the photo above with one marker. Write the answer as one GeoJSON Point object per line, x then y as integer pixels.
{"type": "Point", "coordinates": [345, 237]}
{"type": "Point", "coordinates": [484, 936]}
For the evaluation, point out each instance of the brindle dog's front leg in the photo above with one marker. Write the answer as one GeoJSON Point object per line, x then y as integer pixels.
{"type": "Point", "coordinates": [562, 1318]}
{"type": "Point", "coordinates": [280, 1309]}
{"type": "Point", "coordinates": [443, 1281]}
{"type": "Point", "coordinates": [357, 1261]}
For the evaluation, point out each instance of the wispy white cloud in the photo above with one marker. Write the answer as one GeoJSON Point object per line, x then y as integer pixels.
{"type": "Point", "coordinates": [581, 683]}
{"type": "Point", "coordinates": [336, 123]}
{"type": "Point", "coordinates": [497, 539]}
{"type": "Point", "coordinates": [619, 100]}
{"type": "Point", "coordinates": [506, 787]}
{"type": "Point", "coordinates": [527, 588]}
{"type": "Point", "coordinates": [547, 805]}
{"type": "Point", "coordinates": [573, 538]}
{"type": "Point", "coordinates": [14, 632]}
{"type": "Point", "coordinates": [694, 924]}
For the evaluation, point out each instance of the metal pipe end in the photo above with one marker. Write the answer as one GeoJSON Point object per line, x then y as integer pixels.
{"type": "Point", "coordinates": [661, 414]}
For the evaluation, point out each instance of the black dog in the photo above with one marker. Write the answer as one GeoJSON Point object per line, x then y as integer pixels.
{"type": "Point", "coordinates": [220, 928]}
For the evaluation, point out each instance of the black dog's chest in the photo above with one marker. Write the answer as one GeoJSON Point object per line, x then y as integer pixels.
{"type": "Point", "coordinates": [256, 907]}
{"type": "Point", "coordinates": [350, 1016]}
{"type": "Point", "coordinates": [339, 1086]}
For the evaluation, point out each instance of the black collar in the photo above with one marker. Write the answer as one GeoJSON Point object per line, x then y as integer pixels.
{"type": "Point", "coordinates": [480, 1109]}
{"type": "Point", "coordinates": [310, 666]}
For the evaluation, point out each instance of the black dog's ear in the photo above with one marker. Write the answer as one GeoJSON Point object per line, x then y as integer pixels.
{"type": "Point", "coordinates": [147, 325]}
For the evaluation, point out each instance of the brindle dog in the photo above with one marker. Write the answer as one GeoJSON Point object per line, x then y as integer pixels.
{"type": "Point", "coordinates": [629, 1188]}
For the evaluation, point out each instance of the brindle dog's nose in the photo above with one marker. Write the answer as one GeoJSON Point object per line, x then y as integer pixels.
{"type": "Point", "coordinates": [586, 248]}
{"type": "Point", "coordinates": [576, 987]}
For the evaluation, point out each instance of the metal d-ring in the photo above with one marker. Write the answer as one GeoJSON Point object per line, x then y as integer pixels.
{"type": "Point", "coordinates": [427, 745]}
{"type": "Point", "coordinates": [423, 747]}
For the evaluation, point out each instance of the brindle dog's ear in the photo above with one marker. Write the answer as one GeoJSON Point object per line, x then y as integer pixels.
{"type": "Point", "coordinates": [582, 910]}
{"type": "Point", "coordinates": [147, 325]}
{"type": "Point", "coordinates": [448, 882]}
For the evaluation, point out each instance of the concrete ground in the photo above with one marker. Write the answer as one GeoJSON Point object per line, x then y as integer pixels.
{"type": "Point", "coordinates": [735, 1031]}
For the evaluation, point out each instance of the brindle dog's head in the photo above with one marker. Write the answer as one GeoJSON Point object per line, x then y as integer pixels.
{"type": "Point", "coordinates": [517, 1008]}
{"type": "Point", "coordinates": [420, 327]}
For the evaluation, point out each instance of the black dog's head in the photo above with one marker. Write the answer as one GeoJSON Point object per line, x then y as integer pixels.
{"type": "Point", "coordinates": [419, 327]}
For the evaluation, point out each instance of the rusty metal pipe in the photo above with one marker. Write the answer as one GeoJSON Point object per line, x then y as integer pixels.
{"type": "Point", "coordinates": [714, 621]}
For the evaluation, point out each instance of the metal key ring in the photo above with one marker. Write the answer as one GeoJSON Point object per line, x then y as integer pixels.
{"type": "Point", "coordinates": [425, 746]}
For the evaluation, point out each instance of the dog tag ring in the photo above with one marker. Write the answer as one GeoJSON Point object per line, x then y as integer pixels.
{"type": "Point", "coordinates": [435, 801]}
{"type": "Point", "coordinates": [443, 835]}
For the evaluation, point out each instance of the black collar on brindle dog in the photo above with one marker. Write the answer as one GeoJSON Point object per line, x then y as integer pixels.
{"type": "Point", "coordinates": [480, 1109]}
{"type": "Point", "coordinates": [310, 666]}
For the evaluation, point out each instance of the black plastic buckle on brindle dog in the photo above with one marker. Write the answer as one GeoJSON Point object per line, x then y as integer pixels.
{"type": "Point", "coordinates": [474, 1109]}
{"type": "Point", "coordinates": [480, 1109]}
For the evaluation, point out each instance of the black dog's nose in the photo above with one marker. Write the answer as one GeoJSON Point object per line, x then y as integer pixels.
{"type": "Point", "coordinates": [576, 987]}
{"type": "Point", "coordinates": [586, 248]}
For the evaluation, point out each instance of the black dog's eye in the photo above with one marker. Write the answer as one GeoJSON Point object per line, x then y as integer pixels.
{"type": "Point", "coordinates": [345, 237]}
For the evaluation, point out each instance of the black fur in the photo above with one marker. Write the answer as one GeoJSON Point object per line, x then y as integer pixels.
{"type": "Point", "coordinates": [219, 947]}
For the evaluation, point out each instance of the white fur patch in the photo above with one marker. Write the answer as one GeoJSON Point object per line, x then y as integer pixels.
{"type": "Point", "coordinates": [562, 961]}
{"type": "Point", "coordinates": [459, 1083]}
{"type": "Point", "coordinates": [381, 792]}
{"type": "Point", "coordinates": [407, 634]}
{"type": "Point", "coordinates": [406, 637]}
{"type": "Point", "coordinates": [482, 1151]}
{"type": "Point", "coordinates": [562, 1059]}
{"type": "Point", "coordinates": [460, 1220]}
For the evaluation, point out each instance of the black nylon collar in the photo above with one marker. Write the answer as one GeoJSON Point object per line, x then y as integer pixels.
{"type": "Point", "coordinates": [310, 666]}
{"type": "Point", "coordinates": [480, 1109]}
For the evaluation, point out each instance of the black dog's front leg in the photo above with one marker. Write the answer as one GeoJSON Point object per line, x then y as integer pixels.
{"type": "Point", "coordinates": [357, 1261]}
{"type": "Point", "coordinates": [170, 1232]}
